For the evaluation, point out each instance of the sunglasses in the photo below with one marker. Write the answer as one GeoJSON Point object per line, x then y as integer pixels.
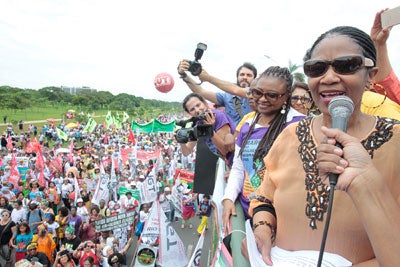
{"type": "Point", "coordinates": [343, 65]}
{"type": "Point", "coordinates": [271, 96]}
{"type": "Point", "coordinates": [303, 99]}
{"type": "Point", "coordinates": [31, 249]}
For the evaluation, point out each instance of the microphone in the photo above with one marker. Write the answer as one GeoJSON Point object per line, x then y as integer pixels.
{"type": "Point", "coordinates": [340, 108]}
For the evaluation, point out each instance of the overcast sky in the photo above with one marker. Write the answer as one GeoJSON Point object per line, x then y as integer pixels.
{"type": "Point", "coordinates": [120, 46]}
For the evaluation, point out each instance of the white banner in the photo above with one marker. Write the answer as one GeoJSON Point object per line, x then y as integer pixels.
{"type": "Point", "coordinates": [195, 259]}
{"type": "Point", "coordinates": [102, 189]}
{"type": "Point", "coordinates": [151, 229]}
{"type": "Point", "coordinates": [172, 250]}
{"type": "Point", "coordinates": [149, 189]}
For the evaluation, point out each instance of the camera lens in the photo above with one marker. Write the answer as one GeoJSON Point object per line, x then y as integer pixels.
{"type": "Point", "coordinates": [195, 68]}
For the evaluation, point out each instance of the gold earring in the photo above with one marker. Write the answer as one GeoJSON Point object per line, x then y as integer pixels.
{"type": "Point", "coordinates": [283, 110]}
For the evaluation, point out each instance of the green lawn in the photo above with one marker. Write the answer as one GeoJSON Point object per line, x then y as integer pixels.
{"type": "Point", "coordinates": [39, 114]}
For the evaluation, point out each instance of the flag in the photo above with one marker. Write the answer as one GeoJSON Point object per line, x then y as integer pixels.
{"type": "Point", "coordinates": [171, 249]}
{"type": "Point", "coordinates": [109, 119]}
{"type": "Point", "coordinates": [71, 151]}
{"type": "Point", "coordinates": [149, 188]}
{"type": "Point", "coordinates": [125, 117]}
{"type": "Point", "coordinates": [14, 173]}
{"type": "Point", "coordinates": [102, 191]}
{"type": "Point", "coordinates": [9, 142]}
{"type": "Point", "coordinates": [90, 126]}
{"type": "Point", "coordinates": [195, 259]}
{"type": "Point", "coordinates": [151, 229]}
{"type": "Point", "coordinates": [62, 135]}
{"type": "Point", "coordinates": [117, 122]}
{"type": "Point", "coordinates": [131, 137]}
{"type": "Point", "coordinates": [40, 166]}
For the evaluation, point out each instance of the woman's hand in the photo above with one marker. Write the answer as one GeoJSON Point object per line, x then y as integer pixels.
{"type": "Point", "coordinates": [349, 162]}
{"type": "Point", "coordinates": [262, 235]}
{"type": "Point", "coordinates": [228, 211]}
{"type": "Point", "coordinates": [378, 34]}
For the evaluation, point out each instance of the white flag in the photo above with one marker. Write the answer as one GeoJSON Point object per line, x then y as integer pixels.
{"type": "Point", "coordinates": [149, 188]}
{"type": "Point", "coordinates": [151, 229]}
{"type": "Point", "coordinates": [171, 250]}
{"type": "Point", "coordinates": [195, 259]}
{"type": "Point", "coordinates": [102, 191]}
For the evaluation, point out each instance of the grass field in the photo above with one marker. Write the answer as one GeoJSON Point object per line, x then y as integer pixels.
{"type": "Point", "coordinates": [38, 116]}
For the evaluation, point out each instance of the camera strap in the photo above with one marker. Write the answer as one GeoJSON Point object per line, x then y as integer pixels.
{"type": "Point", "coordinates": [238, 106]}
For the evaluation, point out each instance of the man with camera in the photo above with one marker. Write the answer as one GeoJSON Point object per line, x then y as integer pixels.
{"type": "Point", "coordinates": [236, 104]}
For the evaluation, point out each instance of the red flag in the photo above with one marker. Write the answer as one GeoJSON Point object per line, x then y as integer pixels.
{"type": "Point", "coordinates": [40, 166]}
{"type": "Point", "coordinates": [9, 142]}
{"type": "Point", "coordinates": [105, 140]}
{"type": "Point", "coordinates": [14, 174]}
{"type": "Point", "coordinates": [131, 137]}
{"type": "Point", "coordinates": [71, 151]}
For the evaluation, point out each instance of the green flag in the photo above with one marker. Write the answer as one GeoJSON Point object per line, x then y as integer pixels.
{"type": "Point", "coordinates": [117, 122]}
{"type": "Point", "coordinates": [125, 117]}
{"type": "Point", "coordinates": [109, 120]}
{"type": "Point", "coordinates": [90, 126]}
{"type": "Point", "coordinates": [62, 135]}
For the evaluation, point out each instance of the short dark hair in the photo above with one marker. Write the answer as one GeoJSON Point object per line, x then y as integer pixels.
{"type": "Point", "coordinates": [249, 66]}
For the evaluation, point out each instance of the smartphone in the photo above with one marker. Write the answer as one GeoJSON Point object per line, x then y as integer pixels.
{"type": "Point", "coordinates": [390, 17]}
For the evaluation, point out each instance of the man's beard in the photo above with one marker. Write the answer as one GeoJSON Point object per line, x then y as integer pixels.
{"type": "Point", "coordinates": [243, 84]}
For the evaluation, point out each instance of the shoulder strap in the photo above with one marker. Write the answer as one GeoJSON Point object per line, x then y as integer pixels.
{"type": "Point", "coordinates": [238, 103]}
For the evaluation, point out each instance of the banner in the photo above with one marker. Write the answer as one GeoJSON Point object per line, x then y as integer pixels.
{"type": "Point", "coordinates": [135, 193]}
{"type": "Point", "coordinates": [102, 191]}
{"type": "Point", "coordinates": [144, 155]}
{"type": "Point", "coordinates": [195, 259]}
{"type": "Point", "coordinates": [185, 176]}
{"type": "Point", "coordinates": [148, 188]}
{"type": "Point", "coordinates": [151, 229]}
{"type": "Point", "coordinates": [115, 222]}
{"type": "Point", "coordinates": [153, 126]}
{"type": "Point", "coordinates": [171, 249]}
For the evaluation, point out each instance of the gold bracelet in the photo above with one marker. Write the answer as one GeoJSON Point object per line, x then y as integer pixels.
{"type": "Point", "coordinates": [255, 225]}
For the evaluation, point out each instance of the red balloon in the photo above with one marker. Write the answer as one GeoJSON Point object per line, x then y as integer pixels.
{"type": "Point", "coordinates": [164, 82]}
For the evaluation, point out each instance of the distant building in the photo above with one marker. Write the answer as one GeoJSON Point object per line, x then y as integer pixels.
{"type": "Point", "coordinates": [77, 90]}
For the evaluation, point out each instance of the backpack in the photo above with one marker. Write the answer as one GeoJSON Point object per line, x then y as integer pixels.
{"type": "Point", "coordinates": [29, 214]}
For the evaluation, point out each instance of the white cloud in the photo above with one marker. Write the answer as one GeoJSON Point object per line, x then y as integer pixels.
{"type": "Point", "coordinates": [120, 46]}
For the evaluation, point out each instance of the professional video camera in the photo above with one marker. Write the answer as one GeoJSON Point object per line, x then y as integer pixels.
{"type": "Point", "coordinates": [185, 135]}
{"type": "Point", "coordinates": [195, 66]}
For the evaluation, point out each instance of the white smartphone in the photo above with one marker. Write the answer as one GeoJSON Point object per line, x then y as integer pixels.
{"type": "Point", "coordinates": [390, 17]}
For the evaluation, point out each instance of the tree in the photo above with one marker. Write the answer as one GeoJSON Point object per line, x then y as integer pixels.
{"type": "Point", "coordinates": [298, 76]}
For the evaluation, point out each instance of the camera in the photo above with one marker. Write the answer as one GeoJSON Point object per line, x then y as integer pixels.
{"type": "Point", "coordinates": [195, 66]}
{"type": "Point", "coordinates": [185, 135]}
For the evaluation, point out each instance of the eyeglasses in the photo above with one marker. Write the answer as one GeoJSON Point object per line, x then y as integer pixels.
{"type": "Point", "coordinates": [343, 65]}
{"type": "Point", "coordinates": [271, 96]}
{"type": "Point", "coordinates": [303, 99]}
{"type": "Point", "coordinates": [31, 249]}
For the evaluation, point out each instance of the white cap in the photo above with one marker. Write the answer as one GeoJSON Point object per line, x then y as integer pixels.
{"type": "Point", "coordinates": [167, 189]}
{"type": "Point", "coordinates": [79, 200]}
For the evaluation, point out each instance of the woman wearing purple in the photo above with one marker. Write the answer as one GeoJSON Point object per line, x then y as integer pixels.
{"type": "Point", "coordinates": [271, 93]}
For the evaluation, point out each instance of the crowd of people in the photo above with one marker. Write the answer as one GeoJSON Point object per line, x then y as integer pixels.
{"type": "Point", "coordinates": [49, 215]}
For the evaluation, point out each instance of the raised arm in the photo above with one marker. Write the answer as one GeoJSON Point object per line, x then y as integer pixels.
{"type": "Point", "coordinates": [192, 84]}
{"type": "Point", "coordinates": [380, 36]}
{"type": "Point", "coordinates": [226, 86]}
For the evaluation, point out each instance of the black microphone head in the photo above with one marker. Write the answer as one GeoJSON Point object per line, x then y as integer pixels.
{"type": "Point", "coordinates": [341, 106]}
